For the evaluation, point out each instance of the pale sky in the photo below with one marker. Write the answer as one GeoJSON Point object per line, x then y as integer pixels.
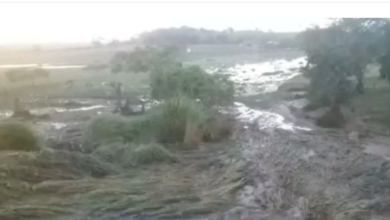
{"type": "Point", "coordinates": [81, 22]}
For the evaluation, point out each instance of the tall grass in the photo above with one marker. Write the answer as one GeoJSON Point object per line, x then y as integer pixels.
{"type": "Point", "coordinates": [19, 136]}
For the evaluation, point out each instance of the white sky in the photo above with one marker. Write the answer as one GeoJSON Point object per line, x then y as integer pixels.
{"type": "Point", "coordinates": [80, 22]}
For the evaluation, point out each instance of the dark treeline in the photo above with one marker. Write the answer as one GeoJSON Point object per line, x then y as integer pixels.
{"type": "Point", "coordinates": [191, 36]}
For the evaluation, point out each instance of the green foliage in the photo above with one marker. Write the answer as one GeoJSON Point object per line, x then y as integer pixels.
{"type": "Point", "coordinates": [18, 136]}
{"type": "Point", "coordinates": [175, 115]}
{"type": "Point", "coordinates": [384, 60]}
{"type": "Point", "coordinates": [105, 127]}
{"type": "Point", "coordinates": [191, 36]}
{"type": "Point", "coordinates": [140, 60]}
{"type": "Point", "coordinates": [334, 53]}
{"type": "Point", "coordinates": [192, 82]}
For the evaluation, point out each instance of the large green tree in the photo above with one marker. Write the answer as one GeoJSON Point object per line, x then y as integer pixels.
{"type": "Point", "coordinates": [336, 53]}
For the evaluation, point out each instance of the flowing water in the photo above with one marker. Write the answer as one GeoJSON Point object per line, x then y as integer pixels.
{"type": "Point", "coordinates": [265, 77]}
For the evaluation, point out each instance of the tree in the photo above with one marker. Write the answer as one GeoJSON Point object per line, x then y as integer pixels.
{"type": "Point", "coordinates": [360, 41]}
{"type": "Point", "coordinates": [334, 53]}
{"type": "Point", "coordinates": [142, 59]}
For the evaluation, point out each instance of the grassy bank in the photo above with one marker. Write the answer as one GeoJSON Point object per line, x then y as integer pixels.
{"type": "Point", "coordinates": [165, 164]}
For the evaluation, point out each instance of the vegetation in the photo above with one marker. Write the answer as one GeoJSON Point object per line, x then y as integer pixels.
{"type": "Point", "coordinates": [338, 52]}
{"type": "Point", "coordinates": [178, 120]}
{"type": "Point", "coordinates": [25, 74]}
{"type": "Point", "coordinates": [18, 136]}
{"type": "Point", "coordinates": [169, 78]}
{"type": "Point", "coordinates": [192, 82]}
{"type": "Point", "coordinates": [140, 60]}
{"type": "Point", "coordinates": [120, 165]}
{"type": "Point", "coordinates": [188, 36]}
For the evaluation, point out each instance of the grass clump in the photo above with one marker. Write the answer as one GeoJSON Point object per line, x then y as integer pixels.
{"type": "Point", "coordinates": [106, 127]}
{"type": "Point", "coordinates": [18, 136]}
{"type": "Point", "coordinates": [170, 190]}
{"type": "Point", "coordinates": [176, 117]}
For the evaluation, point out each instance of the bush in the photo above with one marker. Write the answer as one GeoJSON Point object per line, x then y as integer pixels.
{"type": "Point", "coordinates": [176, 116]}
{"type": "Point", "coordinates": [192, 82]}
{"type": "Point", "coordinates": [107, 129]}
{"type": "Point", "coordinates": [19, 136]}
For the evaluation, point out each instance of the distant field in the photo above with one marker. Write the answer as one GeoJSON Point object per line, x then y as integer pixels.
{"type": "Point", "coordinates": [84, 55]}
{"type": "Point", "coordinates": [134, 84]}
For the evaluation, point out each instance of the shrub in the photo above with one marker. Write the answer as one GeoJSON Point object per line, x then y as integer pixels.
{"type": "Point", "coordinates": [177, 115]}
{"type": "Point", "coordinates": [105, 127]}
{"type": "Point", "coordinates": [19, 136]}
{"type": "Point", "coordinates": [178, 120]}
{"type": "Point", "coordinates": [192, 82]}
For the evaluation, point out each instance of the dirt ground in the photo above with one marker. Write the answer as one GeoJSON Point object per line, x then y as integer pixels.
{"type": "Point", "coordinates": [296, 171]}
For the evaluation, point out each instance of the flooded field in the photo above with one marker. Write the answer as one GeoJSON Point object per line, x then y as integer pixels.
{"type": "Point", "coordinates": [261, 77]}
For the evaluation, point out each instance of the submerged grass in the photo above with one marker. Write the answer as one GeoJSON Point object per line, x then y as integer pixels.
{"type": "Point", "coordinates": [147, 154]}
{"type": "Point", "coordinates": [126, 170]}
{"type": "Point", "coordinates": [131, 155]}
{"type": "Point", "coordinates": [167, 190]}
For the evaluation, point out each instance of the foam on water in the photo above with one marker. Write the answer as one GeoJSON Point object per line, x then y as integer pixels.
{"type": "Point", "coordinates": [267, 75]}
{"type": "Point", "coordinates": [264, 119]}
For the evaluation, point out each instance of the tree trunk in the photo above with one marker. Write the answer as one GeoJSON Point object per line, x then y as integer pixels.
{"type": "Point", "coordinates": [358, 70]}
{"type": "Point", "coordinates": [334, 118]}
{"type": "Point", "coordinates": [360, 85]}
{"type": "Point", "coordinates": [118, 96]}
